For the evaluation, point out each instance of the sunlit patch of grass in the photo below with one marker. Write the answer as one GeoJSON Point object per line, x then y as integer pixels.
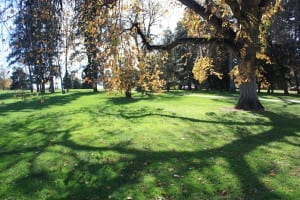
{"type": "Point", "coordinates": [83, 145]}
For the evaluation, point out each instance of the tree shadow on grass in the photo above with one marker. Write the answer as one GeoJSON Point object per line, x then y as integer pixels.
{"type": "Point", "coordinates": [139, 97]}
{"type": "Point", "coordinates": [35, 103]}
{"type": "Point", "coordinates": [289, 102]}
{"type": "Point", "coordinates": [124, 101]}
{"type": "Point", "coordinates": [104, 177]}
{"type": "Point", "coordinates": [234, 153]}
{"type": "Point", "coordinates": [6, 95]}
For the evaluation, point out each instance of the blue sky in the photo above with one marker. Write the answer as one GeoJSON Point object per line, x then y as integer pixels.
{"type": "Point", "coordinates": [5, 27]}
{"type": "Point", "coordinates": [4, 50]}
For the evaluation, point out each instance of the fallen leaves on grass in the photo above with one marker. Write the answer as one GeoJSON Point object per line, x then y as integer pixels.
{"type": "Point", "coordinates": [272, 172]}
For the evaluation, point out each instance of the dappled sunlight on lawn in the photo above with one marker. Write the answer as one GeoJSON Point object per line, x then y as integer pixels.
{"type": "Point", "coordinates": [149, 151]}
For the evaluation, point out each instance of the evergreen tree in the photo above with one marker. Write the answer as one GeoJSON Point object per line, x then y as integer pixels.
{"type": "Point", "coordinates": [284, 47]}
{"type": "Point", "coordinates": [35, 40]}
{"type": "Point", "coordinates": [19, 79]}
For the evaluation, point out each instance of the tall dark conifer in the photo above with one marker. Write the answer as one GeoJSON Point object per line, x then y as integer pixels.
{"type": "Point", "coordinates": [35, 39]}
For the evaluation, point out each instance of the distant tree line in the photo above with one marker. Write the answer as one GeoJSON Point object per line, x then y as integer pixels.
{"type": "Point", "coordinates": [218, 45]}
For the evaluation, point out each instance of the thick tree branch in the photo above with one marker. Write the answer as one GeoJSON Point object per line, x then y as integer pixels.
{"type": "Point", "coordinates": [195, 6]}
{"type": "Point", "coordinates": [265, 3]}
{"type": "Point", "coordinates": [235, 7]}
{"type": "Point", "coordinates": [211, 18]}
{"type": "Point", "coordinates": [187, 40]}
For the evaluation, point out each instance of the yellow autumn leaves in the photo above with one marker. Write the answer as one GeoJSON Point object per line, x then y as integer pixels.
{"type": "Point", "coordinates": [203, 68]}
{"type": "Point", "coordinates": [195, 25]}
{"type": "Point", "coordinates": [131, 69]}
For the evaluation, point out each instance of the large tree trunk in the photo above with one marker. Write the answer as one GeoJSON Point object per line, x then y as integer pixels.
{"type": "Point", "coordinates": [248, 99]}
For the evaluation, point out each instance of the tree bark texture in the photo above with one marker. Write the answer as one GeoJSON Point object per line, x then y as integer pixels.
{"type": "Point", "coordinates": [248, 99]}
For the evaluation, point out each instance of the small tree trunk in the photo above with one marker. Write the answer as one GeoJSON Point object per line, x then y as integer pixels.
{"type": "Point", "coordinates": [231, 65]}
{"type": "Point", "coordinates": [258, 88]}
{"type": "Point", "coordinates": [189, 86]}
{"type": "Point", "coordinates": [51, 80]}
{"type": "Point", "coordinates": [95, 88]}
{"type": "Point", "coordinates": [38, 88]}
{"type": "Point", "coordinates": [95, 77]}
{"type": "Point", "coordinates": [270, 89]}
{"type": "Point", "coordinates": [43, 89]}
{"type": "Point", "coordinates": [168, 86]}
{"type": "Point", "coordinates": [248, 99]}
{"type": "Point", "coordinates": [30, 79]}
{"type": "Point", "coordinates": [128, 93]}
{"type": "Point", "coordinates": [180, 87]}
{"type": "Point", "coordinates": [297, 82]}
{"type": "Point", "coordinates": [285, 87]}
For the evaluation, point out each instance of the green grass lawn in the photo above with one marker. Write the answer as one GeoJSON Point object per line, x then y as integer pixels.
{"type": "Point", "coordinates": [83, 145]}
